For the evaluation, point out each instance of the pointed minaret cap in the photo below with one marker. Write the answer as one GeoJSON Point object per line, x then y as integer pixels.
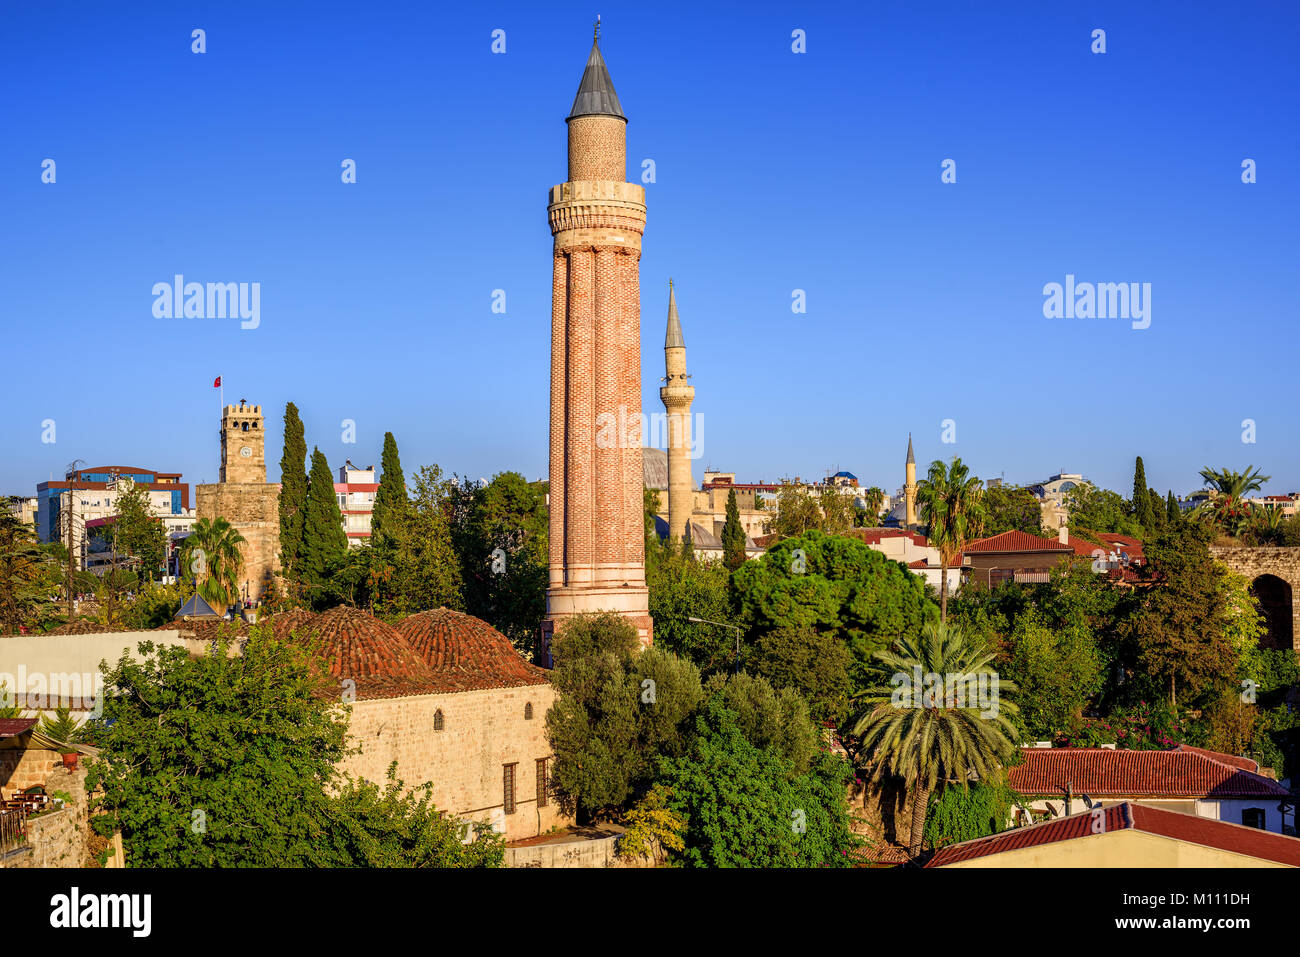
{"type": "Point", "coordinates": [911, 459]}
{"type": "Point", "coordinates": [596, 96]}
{"type": "Point", "coordinates": [673, 340]}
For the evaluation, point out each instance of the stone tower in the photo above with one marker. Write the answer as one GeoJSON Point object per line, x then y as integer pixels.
{"type": "Point", "coordinates": [244, 498]}
{"type": "Point", "coordinates": [909, 484]}
{"type": "Point", "coordinates": [597, 531]}
{"type": "Point", "coordinates": [243, 449]}
{"type": "Point", "coordinates": [677, 395]}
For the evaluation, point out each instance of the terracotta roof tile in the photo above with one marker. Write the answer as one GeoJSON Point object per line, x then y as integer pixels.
{"type": "Point", "coordinates": [1016, 541]}
{"type": "Point", "coordinates": [466, 653]}
{"type": "Point", "coordinates": [1101, 772]}
{"type": "Point", "coordinates": [1207, 832]}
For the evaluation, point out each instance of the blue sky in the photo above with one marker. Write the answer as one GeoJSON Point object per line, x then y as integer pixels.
{"type": "Point", "coordinates": [775, 171]}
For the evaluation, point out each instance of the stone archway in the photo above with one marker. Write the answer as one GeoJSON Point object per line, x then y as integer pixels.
{"type": "Point", "coordinates": [1274, 573]}
{"type": "Point", "coordinates": [1273, 595]}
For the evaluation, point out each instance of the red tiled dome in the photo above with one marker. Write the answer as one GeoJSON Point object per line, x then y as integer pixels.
{"type": "Point", "coordinates": [283, 623]}
{"type": "Point", "coordinates": [466, 653]}
{"type": "Point", "coordinates": [356, 645]}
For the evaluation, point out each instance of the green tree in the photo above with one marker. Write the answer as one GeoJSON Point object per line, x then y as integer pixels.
{"type": "Point", "coordinates": [951, 505]}
{"type": "Point", "coordinates": [815, 664]}
{"type": "Point", "coordinates": [293, 494]}
{"type": "Point", "coordinates": [834, 586]}
{"type": "Point", "coordinates": [211, 557]}
{"type": "Point", "coordinates": [616, 712]}
{"type": "Point", "coordinates": [323, 540]}
{"type": "Point", "coordinates": [434, 578]}
{"type": "Point", "coordinates": [796, 511]}
{"type": "Point", "coordinates": [1227, 509]}
{"type": "Point", "coordinates": [873, 500]}
{"type": "Point", "coordinates": [1181, 629]}
{"type": "Point", "coordinates": [500, 533]}
{"type": "Point", "coordinates": [63, 727]}
{"type": "Point", "coordinates": [138, 535]}
{"type": "Point", "coordinates": [1139, 503]}
{"type": "Point", "coordinates": [929, 735]}
{"type": "Point", "coordinates": [836, 510]}
{"type": "Point", "coordinates": [27, 574]}
{"type": "Point", "coordinates": [745, 807]}
{"type": "Point", "coordinates": [1056, 672]}
{"type": "Point", "coordinates": [772, 720]}
{"type": "Point", "coordinates": [392, 512]}
{"type": "Point", "coordinates": [225, 760]}
{"type": "Point", "coordinates": [684, 589]}
{"type": "Point", "coordinates": [1100, 510]}
{"type": "Point", "coordinates": [964, 811]}
{"type": "Point", "coordinates": [1008, 508]}
{"type": "Point", "coordinates": [733, 535]}
{"type": "Point", "coordinates": [1173, 514]}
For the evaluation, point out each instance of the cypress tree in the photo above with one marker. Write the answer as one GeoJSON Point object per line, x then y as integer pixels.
{"type": "Point", "coordinates": [293, 493]}
{"type": "Point", "coordinates": [392, 513]}
{"type": "Point", "coordinates": [1172, 512]}
{"type": "Point", "coordinates": [1155, 510]}
{"type": "Point", "coordinates": [733, 535]}
{"type": "Point", "coordinates": [1140, 503]}
{"type": "Point", "coordinates": [323, 541]}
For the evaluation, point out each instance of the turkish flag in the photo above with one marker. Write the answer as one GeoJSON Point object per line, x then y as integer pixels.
{"type": "Point", "coordinates": [216, 383]}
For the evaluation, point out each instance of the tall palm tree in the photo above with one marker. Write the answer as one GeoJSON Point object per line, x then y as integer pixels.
{"type": "Point", "coordinates": [1232, 484]}
{"type": "Point", "coordinates": [1228, 509]}
{"type": "Point", "coordinates": [951, 504]}
{"type": "Point", "coordinates": [212, 555]}
{"type": "Point", "coordinates": [937, 736]}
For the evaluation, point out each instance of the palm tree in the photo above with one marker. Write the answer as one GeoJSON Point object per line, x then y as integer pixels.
{"type": "Point", "coordinates": [212, 555]}
{"type": "Point", "coordinates": [1228, 508]}
{"type": "Point", "coordinates": [950, 500]}
{"type": "Point", "coordinates": [932, 737]}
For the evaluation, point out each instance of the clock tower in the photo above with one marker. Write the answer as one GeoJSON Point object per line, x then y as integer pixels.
{"type": "Point", "coordinates": [244, 499]}
{"type": "Point", "coordinates": [243, 448]}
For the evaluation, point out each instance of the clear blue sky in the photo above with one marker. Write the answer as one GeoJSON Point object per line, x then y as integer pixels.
{"type": "Point", "coordinates": [775, 171]}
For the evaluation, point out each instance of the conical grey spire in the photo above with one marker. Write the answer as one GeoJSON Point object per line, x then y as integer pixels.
{"type": "Point", "coordinates": [673, 340]}
{"type": "Point", "coordinates": [596, 96]}
{"type": "Point", "coordinates": [911, 459]}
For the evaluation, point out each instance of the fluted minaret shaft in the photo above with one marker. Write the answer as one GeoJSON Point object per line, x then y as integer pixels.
{"type": "Point", "coordinates": [909, 484]}
{"type": "Point", "coordinates": [597, 536]}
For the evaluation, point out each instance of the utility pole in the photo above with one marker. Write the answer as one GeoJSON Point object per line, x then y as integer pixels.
{"type": "Point", "coordinates": [72, 510]}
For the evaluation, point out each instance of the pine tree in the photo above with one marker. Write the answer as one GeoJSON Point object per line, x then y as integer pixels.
{"type": "Point", "coordinates": [1172, 511]}
{"type": "Point", "coordinates": [733, 535]}
{"type": "Point", "coordinates": [1140, 503]}
{"type": "Point", "coordinates": [323, 541]}
{"type": "Point", "coordinates": [392, 513]}
{"type": "Point", "coordinates": [293, 493]}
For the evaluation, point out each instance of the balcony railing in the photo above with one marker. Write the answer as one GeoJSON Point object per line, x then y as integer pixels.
{"type": "Point", "coordinates": [13, 829]}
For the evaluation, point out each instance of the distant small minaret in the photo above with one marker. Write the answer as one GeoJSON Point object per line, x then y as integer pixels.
{"type": "Point", "coordinates": [909, 485]}
{"type": "Point", "coordinates": [677, 396]}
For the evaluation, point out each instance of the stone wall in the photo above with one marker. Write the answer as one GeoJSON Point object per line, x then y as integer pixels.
{"type": "Point", "coordinates": [58, 838]}
{"type": "Point", "coordinates": [254, 510]}
{"type": "Point", "coordinates": [482, 731]}
{"type": "Point", "coordinates": [1279, 561]}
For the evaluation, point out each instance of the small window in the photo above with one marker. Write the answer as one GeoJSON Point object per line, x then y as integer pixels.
{"type": "Point", "coordinates": [542, 782]}
{"type": "Point", "coordinates": [437, 720]}
{"type": "Point", "coordinates": [245, 426]}
{"type": "Point", "coordinates": [528, 711]}
{"type": "Point", "coordinates": [508, 787]}
{"type": "Point", "coordinates": [1253, 817]}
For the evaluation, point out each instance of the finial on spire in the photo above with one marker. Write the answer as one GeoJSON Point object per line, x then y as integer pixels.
{"type": "Point", "coordinates": [596, 34]}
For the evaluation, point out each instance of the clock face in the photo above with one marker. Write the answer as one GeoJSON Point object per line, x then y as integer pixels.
{"type": "Point", "coordinates": [246, 452]}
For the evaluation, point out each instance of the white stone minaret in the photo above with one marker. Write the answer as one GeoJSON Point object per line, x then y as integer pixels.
{"type": "Point", "coordinates": [677, 395]}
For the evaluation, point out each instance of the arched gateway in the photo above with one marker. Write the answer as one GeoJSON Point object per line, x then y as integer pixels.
{"type": "Point", "coordinates": [1274, 574]}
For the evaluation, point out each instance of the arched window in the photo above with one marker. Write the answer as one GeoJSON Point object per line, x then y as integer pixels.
{"type": "Point", "coordinates": [437, 720]}
{"type": "Point", "coordinates": [245, 426]}
{"type": "Point", "coordinates": [1273, 596]}
{"type": "Point", "coordinates": [528, 711]}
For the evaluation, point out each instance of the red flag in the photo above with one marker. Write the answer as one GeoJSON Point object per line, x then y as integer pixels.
{"type": "Point", "coordinates": [216, 383]}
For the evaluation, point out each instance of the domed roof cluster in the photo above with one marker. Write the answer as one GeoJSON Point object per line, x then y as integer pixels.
{"type": "Point", "coordinates": [432, 652]}
{"type": "Point", "coordinates": [467, 651]}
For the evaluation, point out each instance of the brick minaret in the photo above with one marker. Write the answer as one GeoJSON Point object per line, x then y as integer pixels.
{"type": "Point", "coordinates": [677, 395]}
{"type": "Point", "coordinates": [909, 485]}
{"type": "Point", "coordinates": [597, 532]}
